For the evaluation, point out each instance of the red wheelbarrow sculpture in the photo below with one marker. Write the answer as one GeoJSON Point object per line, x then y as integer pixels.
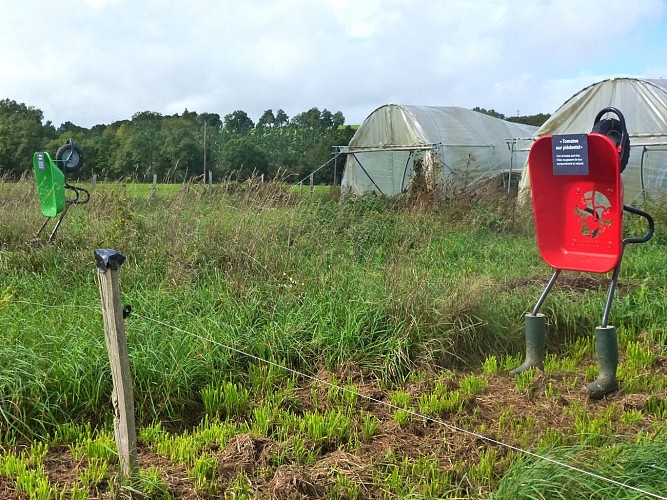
{"type": "Point", "coordinates": [578, 205]}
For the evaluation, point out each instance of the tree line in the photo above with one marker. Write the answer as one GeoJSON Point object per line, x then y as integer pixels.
{"type": "Point", "coordinates": [181, 146]}
{"type": "Point", "coordinates": [189, 145]}
{"type": "Point", "coordinates": [536, 120]}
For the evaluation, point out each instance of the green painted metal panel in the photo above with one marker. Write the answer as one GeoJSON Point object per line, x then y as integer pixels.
{"type": "Point", "coordinates": [50, 184]}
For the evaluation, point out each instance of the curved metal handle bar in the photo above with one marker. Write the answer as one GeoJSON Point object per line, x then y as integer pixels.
{"type": "Point", "coordinates": [617, 269]}
{"type": "Point", "coordinates": [651, 225]}
{"type": "Point", "coordinates": [84, 191]}
{"type": "Point", "coordinates": [77, 191]}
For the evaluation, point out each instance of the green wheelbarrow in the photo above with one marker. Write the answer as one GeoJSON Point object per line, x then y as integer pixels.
{"type": "Point", "coordinates": [52, 185]}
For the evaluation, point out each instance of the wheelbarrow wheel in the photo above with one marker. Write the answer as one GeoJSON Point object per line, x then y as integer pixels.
{"type": "Point", "coordinates": [69, 158]}
{"type": "Point", "coordinates": [613, 128]}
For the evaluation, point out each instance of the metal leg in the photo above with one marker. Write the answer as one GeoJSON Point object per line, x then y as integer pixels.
{"type": "Point", "coordinates": [546, 291]}
{"type": "Point", "coordinates": [60, 219]}
{"type": "Point", "coordinates": [46, 221]}
{"type": "Point", "coordinates": [610, 294]}
{"type": "Point", "coordinates": [617, 269]}
{"type": "Point", "coordinates": [75, 201]}
{"type": "Point", "coordinates": [536, 333]}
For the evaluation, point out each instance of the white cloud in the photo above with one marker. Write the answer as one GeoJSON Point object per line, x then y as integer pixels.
{"type": "Point", "coordinates": [96, 61]}
{"type": "Point", "coordinates": [98, 5]}
{"type": "Point", "coordinates": [368, 18]}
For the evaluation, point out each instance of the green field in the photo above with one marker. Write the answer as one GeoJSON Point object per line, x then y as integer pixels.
{"type": "Point", "coordinates": [285, 344]}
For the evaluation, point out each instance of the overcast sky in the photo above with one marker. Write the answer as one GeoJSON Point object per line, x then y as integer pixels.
{"type": "Point", "coordinates": [98, 61]}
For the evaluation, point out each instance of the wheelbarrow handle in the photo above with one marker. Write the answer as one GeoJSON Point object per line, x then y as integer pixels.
{"type": "Point", "coordinates": [77, 192]}
{"type": "Point", "coordinates": [649, 219]}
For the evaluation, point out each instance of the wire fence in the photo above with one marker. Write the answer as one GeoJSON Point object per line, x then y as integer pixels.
{"type": "Point", "coordinates": [425, 418]}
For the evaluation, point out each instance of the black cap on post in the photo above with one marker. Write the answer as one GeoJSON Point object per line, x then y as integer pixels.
{"type": "Point", "coordinates": [108, 259]}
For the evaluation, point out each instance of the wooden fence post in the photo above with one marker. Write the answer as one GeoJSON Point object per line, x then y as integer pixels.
{"type": "Point", "coordinates": [312, 182]}
{"type": "Point", "coordinates": [93, 183]}
{"type": "Point", "coordinates": [336, 153]}
{"type": "Point", "coordinates": [154, 185]}
{"type": "Point", "coordinates": [108, 263]}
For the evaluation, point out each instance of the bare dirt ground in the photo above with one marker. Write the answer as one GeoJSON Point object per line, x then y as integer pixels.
{"type": "Point", "coordinates": [250, 454]}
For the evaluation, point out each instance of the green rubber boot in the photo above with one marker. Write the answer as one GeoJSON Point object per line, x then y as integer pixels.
{"type": "Point", "coordinates": [606, 348]}
{"type": "Point", "coordinates": [536, 336]}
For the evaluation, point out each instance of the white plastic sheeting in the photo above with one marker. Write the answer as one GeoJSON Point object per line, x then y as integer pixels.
{"type": "Point", "coordinates": [455, 146]}
{"type": "Point", "coordinates": [644, 106]}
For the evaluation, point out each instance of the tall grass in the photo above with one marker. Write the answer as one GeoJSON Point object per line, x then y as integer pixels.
{"type": "Point", "coordinates": [404, 293]}
{"type": "Point", "coordinates": [635, 465]}
{"type": "Point", "coordinates": [266, 270]}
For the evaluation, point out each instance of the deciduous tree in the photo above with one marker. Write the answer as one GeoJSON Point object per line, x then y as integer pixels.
{"type": "Point", "coordinates": [21, 134]}
{"type": "Point", "coordinates": [238, 123]}
{"type": "Point", "coordinates": [240, 158]}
